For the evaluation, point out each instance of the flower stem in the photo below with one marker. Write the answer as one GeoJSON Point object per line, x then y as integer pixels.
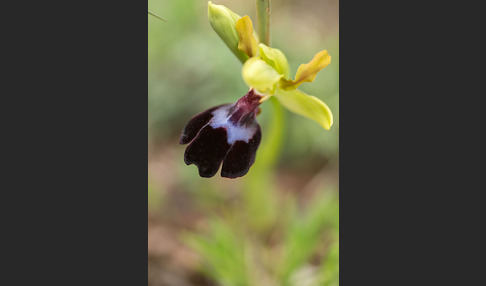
{"type": "Point", "coordinates": [263, 16]}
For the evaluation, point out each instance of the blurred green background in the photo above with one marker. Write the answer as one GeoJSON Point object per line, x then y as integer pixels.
{"type": "Point", "coordinates": [279, 224]}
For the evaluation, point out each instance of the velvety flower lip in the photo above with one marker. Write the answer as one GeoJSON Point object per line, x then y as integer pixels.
{"type": "Point", "coordinates": [227, 134]}
{"type": "Point", "coordinates": [196, 123]}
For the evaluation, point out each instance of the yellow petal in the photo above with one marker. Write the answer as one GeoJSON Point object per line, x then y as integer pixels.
{"type": "Point", "coordinates": [275, 58]}
{"type": "Point", "coordinates": [259, 75]}
{"type": "Point", "coordinates": [307, 72]}
{"type": "Point", "coordinates": [247, 42]}
{"type": "Point", "coordinates": [306, 105]}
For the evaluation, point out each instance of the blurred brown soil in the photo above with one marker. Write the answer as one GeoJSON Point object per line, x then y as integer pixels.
{"type": "Point", "coordinates": [170, 262]}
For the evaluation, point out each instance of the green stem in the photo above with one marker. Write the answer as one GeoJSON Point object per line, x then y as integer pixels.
{"type": "Point", "coordinates": [263, 16]}
{"type": "Point", "coordinates": [260, 194]}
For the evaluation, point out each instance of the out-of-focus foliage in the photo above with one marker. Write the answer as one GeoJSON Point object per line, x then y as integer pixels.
{"type": "Point", "coordinates": [224, 248]}
{"type": "Point", "coordinates": [304, 232]}
{"type": "Point", "coordinates": [233, 254]}
{"type": "Point", "coordinates": [155, 198]}
{"type": "Point", "coordinates": [278, 225]}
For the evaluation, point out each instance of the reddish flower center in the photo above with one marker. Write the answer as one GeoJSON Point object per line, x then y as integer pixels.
{"type": "Point", "coordinates": [245, 108]}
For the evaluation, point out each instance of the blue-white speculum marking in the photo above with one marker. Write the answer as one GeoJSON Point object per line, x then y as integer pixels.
{"type": "Point", "coordinates": [227, 133]}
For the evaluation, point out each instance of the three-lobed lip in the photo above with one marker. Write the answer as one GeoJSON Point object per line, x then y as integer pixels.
{"type": "Point", "coordinates": [227, 134]}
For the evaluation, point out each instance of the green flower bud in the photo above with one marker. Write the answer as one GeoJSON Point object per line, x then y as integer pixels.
{"type": "Point", "coordinates": [223, 21]}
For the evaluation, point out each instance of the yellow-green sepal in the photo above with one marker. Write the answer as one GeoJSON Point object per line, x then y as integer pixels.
{"type": "Point", "coordinates": [275, 58]}
{"type": "Point", "coordinates": [247, 42]}
{"type": "Point", "coordinates": [307, 72]}
{"type": "Point", "coordinates": [306, 105]}
{"type": "Point", "coordinates": [261, 76]}
{"type": "Point", "coordinates": [223, 21]}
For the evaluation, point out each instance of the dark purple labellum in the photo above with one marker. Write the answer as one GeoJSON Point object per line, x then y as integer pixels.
{"type": "Point", "coordinates": [227, 133]}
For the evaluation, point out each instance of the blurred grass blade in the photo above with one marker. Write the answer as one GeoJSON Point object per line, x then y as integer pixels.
{"type": "Point", "coordinates": [330, 267]}
{"type": "Point", "coordinates": [222, 251]}
{"type": "Point", "coordinates": [156, 16]}
{"type": "Point", "coordinates": [305, 232]}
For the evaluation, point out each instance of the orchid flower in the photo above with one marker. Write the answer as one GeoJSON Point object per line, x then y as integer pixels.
{"type": "Point", "coordinates": [229, 133]}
